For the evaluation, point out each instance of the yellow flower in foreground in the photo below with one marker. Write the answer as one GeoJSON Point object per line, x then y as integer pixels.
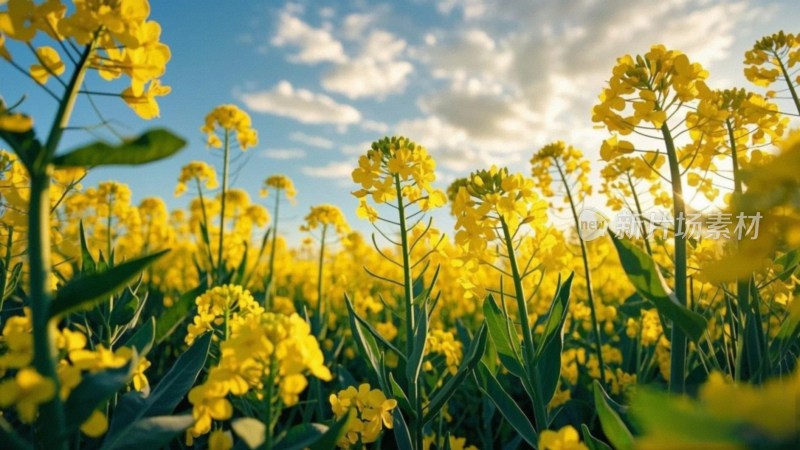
{"type": "Point", "coordinates": [50, 64]}
{"type": "Point", "coordinates": [220, 440]}
{"type": "Point", "coordinates": [564, 439]}
{"type": "Point", "coordinates": [96, 425]}
{"type": "Point", "coordinates": [27, 391]}
{"type": "Point", "coordinates": [370, 411]}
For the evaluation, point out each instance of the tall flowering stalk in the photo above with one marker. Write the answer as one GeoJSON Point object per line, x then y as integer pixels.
{"type": "Point", "coordinates": [323, 218]}
{"type": "Point", "coordinates": [114, 39]}
{"type": "Point", "coordinates": [494, 206]}
{"type": "Point", "coordinates": [399, 173]}
{"type": "Point", "coordinates": [572, 171]}
{"type": "Point", "coordinates": [651, 90]}
{"type": "Point", "coordinates": [201, 175]}
{"type": "Point", "coordinates": [230, 121]}
{"type": "Point", "coordinates": [279, 184]}
{"type": "Point", "coordinates": [774, 57]}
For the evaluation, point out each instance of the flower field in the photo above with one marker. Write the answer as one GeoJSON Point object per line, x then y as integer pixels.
{"type": "Point", "coordinates": [127, 325]}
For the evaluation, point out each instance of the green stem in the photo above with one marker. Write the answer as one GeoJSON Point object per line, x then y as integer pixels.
{"type": "Point", "coordinates": [588, 274]}
{"type": "Point", "coordinates": [529, 353]}
{"type": "Point", "coordinates": [210, 252]}
{"type": "Point", "coordinates": [269, 412]}
{"type": "Point", "coordinates": [51, 426]}
{"type": "Point", "coordinates": [640, 212]}
{"type": "Point", "coordinates": [408, 295]}
{"type": "Point", "coordinates": [319, 312]}
{"type": "Point", "coordinates": [679, 341]}
{"type": "Point", "coordinates": [271, 275]}
{"type": "Point", "coordinates": [742, 289]}
{"type": "Point", "coordinates": [226, 157]}
{"type": "Point", "coordinates": [788, 79]}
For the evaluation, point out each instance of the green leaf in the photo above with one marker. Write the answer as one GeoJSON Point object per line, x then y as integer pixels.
{"type": "Point", "coordinates": [400, 396]}
{"type": "Point", "coordinates": [177, 313]}
{"type": "Point", "coordinates": [150, 432]}
{"type": "Point", "coordinates": [365, 342]}
{"type": "Point", "coordinates": [414, 365]}
{"type": "Point", "coordinates": [180, 378]}
{"type": "Point", "coordinates": [613, 426]}
{"type": "Point", "coordinates": [24, 144]}
{"type": "Point", "coordinates": [251, 431]}
{"type": "Point", "coordinates": [402, 436]}
{"type": "Point", "coordinates": [507, 346]}
{"type": "Point", "coordinates": [314, 436]}
{"type": "Point", "coordinates": [125, 308]}
{"type": "Point", "coordinates": [378, 337]}
{"type": "Point", "coordinates": [471, 359]}
{"type": "Point", "coordinates": [548, 358]}
{"type": "Point", "coordinates": [554, 326]}
{"type": "Point", "coordinates": [163, 399]}
{"type": "Point", "coordinates": [84, 291]}
{"type": "Point", "coordinates": [506, 405]}
{"type": "Point", "coordinates": [592, 442]}
{"type": "Point", "coordinates": [88, 264]}
{"type": "Point", "coordinates": [646, 278]}
{"type": "Point", "coordinates": [150, 146]}
{"type": "Point", "coordinates": [142, 339]}
{"type": "Point", "coordinates": [94, 390]}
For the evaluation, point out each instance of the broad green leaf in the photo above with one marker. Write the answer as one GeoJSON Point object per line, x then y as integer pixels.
{"type": "Point", "coordinates": [181, 377]}
{"type": "Point", "coordinates": [95, 389]}
{"type": "Point", "coordinates": [88, 264]}
{"type": "Point", "coordinates": [613, 426]}
{"type": "Point", "coordinates": [142, 339]}
{"type": "Point", "coordinates": [402, 436]}
{"type": "Point", "coordinates": [646, 278]}
{"type": "Point", "coordinates": [548, 358]}
{"type": "Point", "coordinates": [125, 308]}
{"type": "Point", "coordinates": [150, 432]}
{"type": "Point", "coordinates": [367, 346]}
{"type": "Point", "coordinates": [177, 313]}
{"type": "Point", "coordinates": [506, 405]}
{"type": "Point", "coordinates": [84, 291]}
{"type": "Point", "coordinates": [300, 437]}
{"type": "Point", "coordinates": [251, 431]}
{"type": "Point", "coordinates": [400, 396]}
{"type": "Point", "coordinates": [150, 146]}
{"type": "Point", "coordinates": [378, 337]}
{"type": "Point", "coordinates": [592, 442]}
{"type": "Point", "coordinates": [470, 360]}
{"type": "Point", "coordinates": [554, 325]}
{"type": "Point", "coordinates": [507, 346]}
{"type": "Point", "coordinates": [24, 144]}
{"type": "Point", "coordinates": [163, 399]}
{"type": "Point", "coordinates": [314, 436]}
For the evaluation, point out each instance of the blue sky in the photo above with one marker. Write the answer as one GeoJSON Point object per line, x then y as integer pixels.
{"type": "Point", "coordinates": [476, 81]}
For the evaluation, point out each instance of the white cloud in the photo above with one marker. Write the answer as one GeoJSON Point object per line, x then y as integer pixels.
{"type": "Point", "coordinates": [314, 141]}
{"type": "Point", "coordinates": [314, 45]}
{"type": "Point", "coordinates": [333, 170]}
{"type": "Point", "coordinates": [521, 73]}
{"type": "Point", "coordinates": [373, 125]}
{"type": "Point", "coordinates": [376, 72]}
{"type": "Point", "coordinates": [470, 9]}
{"type": "Point", "coordinates": [356, 149]}
{"type": "Point", "coordinates": [301, 105]}
{"type": "Point", "coordinates": [284, 153]}
{"type": "Point", "coordinates": [355, 25]}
